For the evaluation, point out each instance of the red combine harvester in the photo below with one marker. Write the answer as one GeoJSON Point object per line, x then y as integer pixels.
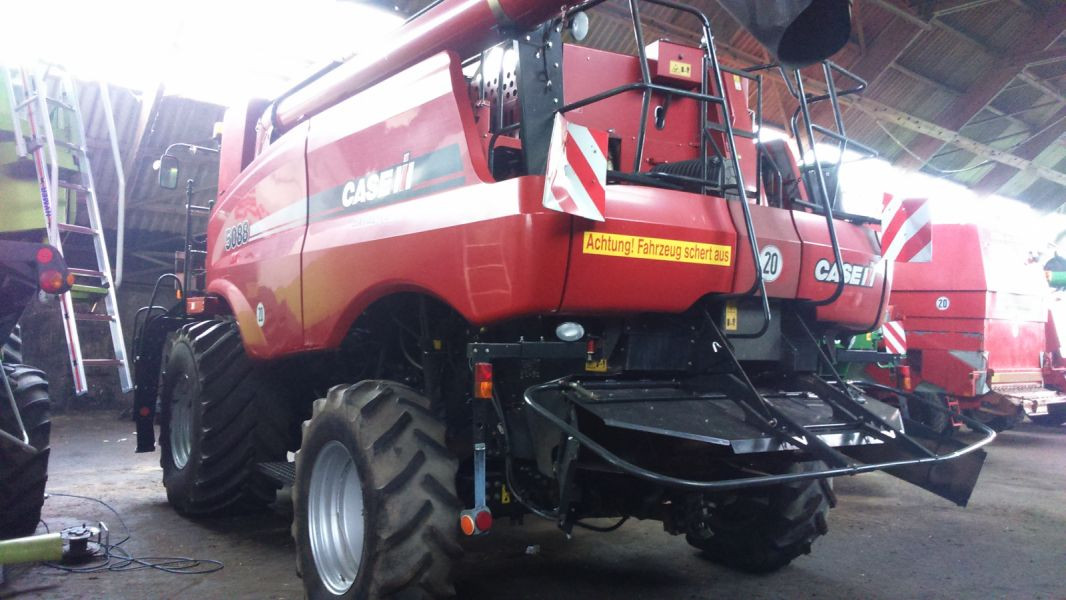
{"type": "Point", "coordinates": [523, 276]}
{"type": "Point", "coordinates": [977, 328]}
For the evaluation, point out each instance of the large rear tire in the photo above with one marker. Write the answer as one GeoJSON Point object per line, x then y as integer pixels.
{"type": "Point", "coordinates": [924, 410]}
{"type": "Point", "coordinates": [763, 529]}
{"type": "Point", "coordinates": [11, 350]}
{"type": "Point", "coordinates": [23, 475]}
{"type": "Point", "coordinates": [376, 515]}
{"type": "Point", "coordinates": [221, 414]}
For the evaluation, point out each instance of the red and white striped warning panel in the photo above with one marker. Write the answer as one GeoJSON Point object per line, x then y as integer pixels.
{"type": "Point", "coordinates": [895, 337]}
{"type": "Point", "coordinates": [906, 230]}
{"type": "Point", "coordinates": [576, 177]}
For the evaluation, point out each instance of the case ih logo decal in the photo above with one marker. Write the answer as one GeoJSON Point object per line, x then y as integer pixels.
{"type": "Point", "coordinates": [413, 177]}
{"type": "Point", "coordinates": [632, 246]}
{"type": "Point", "coordinates": [379, 184]}
{"type": "Point", "coordinates": [826, 270]}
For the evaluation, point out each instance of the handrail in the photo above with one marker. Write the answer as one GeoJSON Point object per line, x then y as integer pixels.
{"type": "Point", "coordinates": [629, 468]}
{"type": "Point", "coordinates": [647, 87]}
{"type": "Point", "coordinates": [120, 176]}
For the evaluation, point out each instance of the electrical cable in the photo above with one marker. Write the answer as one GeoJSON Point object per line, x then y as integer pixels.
{"type": "Point", "coordinates": [116, 559]}
{"type": "Point", "coordinates": [599, 529]}
{"type": "Point", "coordinates": [550, 515]}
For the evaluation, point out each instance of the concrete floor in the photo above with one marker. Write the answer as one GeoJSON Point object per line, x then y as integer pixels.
{"type": "Point", "coordinates": [886, 539]}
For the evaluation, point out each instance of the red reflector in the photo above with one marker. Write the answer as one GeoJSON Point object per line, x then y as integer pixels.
{"type": "Point", "coordinates": [466, 523]}
{"type": "Point", "coordinates": [51, 281]}
{"type": "Point", "coordinates": [483, 520]}
{"type": "Point", "coordinates": [194, 305]}
{"type": "Point", "coordinates": [483, 380]}
{"type": "Point", "coordinates": [45, 255]}
{"type": "Point", "coordinates": [145, 411]}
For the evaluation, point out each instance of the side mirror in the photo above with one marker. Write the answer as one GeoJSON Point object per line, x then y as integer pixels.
{"type": "Point", "coordinates": [168, 172]}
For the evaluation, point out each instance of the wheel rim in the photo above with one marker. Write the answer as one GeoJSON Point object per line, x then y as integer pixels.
{"type": "Point", "coordinates": [181, 423]}
{"type": "Point", "coordinates": [335, 517]}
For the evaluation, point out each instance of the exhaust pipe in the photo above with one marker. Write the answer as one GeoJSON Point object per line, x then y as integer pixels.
{"type": "Point", "coordinates": [797, 33]}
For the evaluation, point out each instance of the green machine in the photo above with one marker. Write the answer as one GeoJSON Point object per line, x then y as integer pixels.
{"type": "Point", "coordinates": [20, 193]}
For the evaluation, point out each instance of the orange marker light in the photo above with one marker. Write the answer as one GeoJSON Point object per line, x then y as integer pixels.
{"type": "Point", "coordinates": [483, 380]}
{"type": "Point", "coordinates": [194, 305]}
{"type": "Point", "coordinates": [466, 523]}
{"type": "Point", "coordinates": [51, 281]}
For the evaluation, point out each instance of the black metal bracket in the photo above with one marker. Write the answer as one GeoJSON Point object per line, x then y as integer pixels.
{"type": "Point", "coordinates": [484, 352]}
{"type": "Point", "coordinates": [569, 386]}
{"type": "Point", "coordinates": [539, 83]}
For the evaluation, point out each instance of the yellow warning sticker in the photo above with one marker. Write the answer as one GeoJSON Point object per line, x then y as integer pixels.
{"type": "Point", "coordinates": [736, 83]}
{"type": "Point", "coordinates": [680, 68]}
{"type": "Point", "coordinates": [505, 496]}
{"type": "Point", "coordinates": [633, 246]}
{"type": "Point", "coordinates": [732, 320]}
{"type": "Point", "coordinates": [596, 366]}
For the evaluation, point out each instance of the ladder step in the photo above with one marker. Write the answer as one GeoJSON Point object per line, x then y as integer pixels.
{"type": "Point", "coordinates": [75, 229]}
{"type": "Point", "coordinates": [70, 146]}
{"type": "Point", "coordinates": [85, 272]}
{"type": "Point", "coordinates": [96, 290]}
{"type": "Point", "coordinates": [93, 317]}
{"type": "Point", "coordinates": [77, 187]}
{"type": "Point", "coordinates": [59, 103]}
{"type": "Point", "coordinates": [102, 362]}
{"type": "Point", "coordinates": [29, 100]}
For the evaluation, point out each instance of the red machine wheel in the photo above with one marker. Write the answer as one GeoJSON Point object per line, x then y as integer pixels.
{"type": "Point", "coordinates": [376, 513]}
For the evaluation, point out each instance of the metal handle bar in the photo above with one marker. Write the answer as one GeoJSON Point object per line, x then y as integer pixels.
{"type": "Point", "coordinates": [725, 484]}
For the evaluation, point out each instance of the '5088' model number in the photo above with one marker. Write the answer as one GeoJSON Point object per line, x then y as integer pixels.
{"type": "Point", "coordinates": [236, 236]}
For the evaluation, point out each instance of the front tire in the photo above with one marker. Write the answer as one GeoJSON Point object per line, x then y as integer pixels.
{"type": "Point", "coordinates": [221, 414]}
{"type": "Point", "coordinates": [376, 514]}
{"type": "Point", "coordinates": [23, 475]}
{"type": "Point", "coordinates": [763, 529]}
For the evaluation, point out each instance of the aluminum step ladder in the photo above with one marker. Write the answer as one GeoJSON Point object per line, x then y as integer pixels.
{"type": "Point", "coordinates": [37, 94]}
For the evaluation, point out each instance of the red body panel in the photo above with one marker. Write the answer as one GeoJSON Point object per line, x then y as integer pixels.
{"type": "Point", "coordinates": [464, 27]}
{"type": "Point", "coordinates": [862, 304]}
{"type": "Point", "coordinates": [388, 191]}
{"type": "Point", "coordinates": [976, 315]}
{"type": "Point", "coordinates": [629, 284]}
{"type": "Point", "coordinates": [589, 72]}
{"type": "Point", "coordinates": [266, 269]}
{"type": "Point", "coordinates": [773, 227]}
